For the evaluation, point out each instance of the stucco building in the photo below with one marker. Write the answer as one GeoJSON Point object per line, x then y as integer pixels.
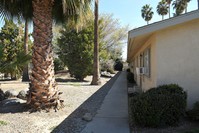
{"type": "Point", "coordinates": [167, 52]}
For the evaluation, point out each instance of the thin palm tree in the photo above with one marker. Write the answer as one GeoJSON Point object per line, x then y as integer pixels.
{"type": "Point", "coordinates": [180, 6]}
{"type": "Point", "coordinates": [25, 76]}
{"type": "Point", "coordinates": [198, 4]}
{"type": "Point", "coordinates": [147, 13]}
{"type": "Point", "coordinates": [96, 73]}
{"type": "Point", "coordinates": [169, 4]}
{"type": "Point", "coordinates": [162, 8]}
{"type": "Point", "coordinates": [185, 2]}
{"type": "Point", "coordinates": [43, 89]}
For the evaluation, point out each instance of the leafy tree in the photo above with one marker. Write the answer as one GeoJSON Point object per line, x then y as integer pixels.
{"type": "Point", "coordinates": [43, 91]}
{"type": "Point", "coordinates": [147, 13]}
{"type": "Point", "coordinates": [11, 43]}
{"type": "Point", "coordinates": [111, 37]}
{"type": "Point", "coordinates": [76, 51]}
{"type": "Point", "coordinates": [59, 65]}
{"type": "Point", "coordinates": [162, 8]}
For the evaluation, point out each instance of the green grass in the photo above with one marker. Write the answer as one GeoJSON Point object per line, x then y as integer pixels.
{"type": "Point", "coordinates": [3, 123]}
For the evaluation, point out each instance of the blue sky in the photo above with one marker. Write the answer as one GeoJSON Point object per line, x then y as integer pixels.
{"type": "Point", "coordinates": [129, 12]}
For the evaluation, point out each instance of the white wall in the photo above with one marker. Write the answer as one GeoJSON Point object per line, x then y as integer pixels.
{"type": "Point", "coordinates": [178, 58]}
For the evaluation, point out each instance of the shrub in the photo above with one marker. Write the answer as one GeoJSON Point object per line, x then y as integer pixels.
{"type": "Point", "coordinates": [128, 70]}
{"type": "Point", "coordinates": [76, 51]}
{"type": "Point", "coordinates": [118, 65]}
{"type": "Point", "coordinates": [161, 106]}
{"type": "Point", "coordinates": [130, 77]}
{"type": "Point", "coordinates": [59, 65]}
{"type": "Point", "coordinates": [107, 65]}
{"type": "Point", "coordinates": [194, 113]}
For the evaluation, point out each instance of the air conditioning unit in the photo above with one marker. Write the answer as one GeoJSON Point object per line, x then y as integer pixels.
{"type": "Point", "coordinates": [142, 70]}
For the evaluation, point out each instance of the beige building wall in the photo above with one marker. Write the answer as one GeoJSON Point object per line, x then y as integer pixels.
{"type": "Point", "coordinates": [178, 58]}
{"type": "Point", "coordinates": [147, 82]}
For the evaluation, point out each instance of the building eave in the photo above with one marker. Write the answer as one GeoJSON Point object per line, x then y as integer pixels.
{"type": "Point", "coordinates": [183, 18]}
{"type": "Point", "coordinates": [146, 31]}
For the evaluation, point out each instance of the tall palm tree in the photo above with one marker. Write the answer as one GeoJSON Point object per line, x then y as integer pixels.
{"type": "Point", "coordinates": [25, 76]}
{"type": "Point", "coordinates": [43, 90]}
{"type": "Point", "coordinates": [185, 2]}
{"type": "Point", "coordinates": [147, 13]}
{"type": "Point", "coordinates": [96, 73]}
{"type": "Point", "coordinates": [198, 4]}
{"type": "Point", "coordinates": [162, 8]}
{"type": "Point", "coordinates": [180, 6]}
{"type": "Point", "coordinates": [169, 4]}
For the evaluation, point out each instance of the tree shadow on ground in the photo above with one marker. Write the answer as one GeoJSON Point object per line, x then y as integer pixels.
{"type": "Point", "coordinates": [8, 80]}
{"type": "Point", "coordinates": [69, 80]}
{"type": "Point", "coordinates": [14, 108]}
{"type": "Point", "coordinates": [74, 123]}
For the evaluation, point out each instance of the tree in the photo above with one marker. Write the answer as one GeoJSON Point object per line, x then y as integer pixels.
{"type": "Point", "coordinates": [43, 90]}
{"type": "Point", "coordinates": [26, 16]}
{"type": "Point", "coordinates": [198, 4]}
{"type": "Point", "coordinates": [25, 76]}
{"type": "Point", "coordinates": [111, 37]}
{"type": "Point", "coordinates": [13, 57]}
{"type": "Point", "coordinates": [162, 8]}
{"type": "Point", "coordinates": [96, 73]}
{"type": "Point", "coordinates": [147, 13]}
{"type": "Point", "coordinates": [76, 50]}
{"type": "Point", "coordinates": [180, 6]}
{"type": "Point", "coordinates": [169, 4]}
{"type": "Point", "coordinates": [185, 2]}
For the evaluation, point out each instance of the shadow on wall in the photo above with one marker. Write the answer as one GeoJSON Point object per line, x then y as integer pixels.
{"type": "Point", "coordinates": [74, 123]}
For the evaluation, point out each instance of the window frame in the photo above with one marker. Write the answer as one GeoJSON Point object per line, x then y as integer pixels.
{"type": "Point", "coordinates": [147, 62]}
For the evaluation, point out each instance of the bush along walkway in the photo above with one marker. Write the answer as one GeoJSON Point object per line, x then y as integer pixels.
{"type": "Point", "coordinates": [112, 117]}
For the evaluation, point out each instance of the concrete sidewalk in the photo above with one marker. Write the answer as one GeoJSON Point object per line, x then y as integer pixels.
{"type": "Point", "coordinates": [112, 117]}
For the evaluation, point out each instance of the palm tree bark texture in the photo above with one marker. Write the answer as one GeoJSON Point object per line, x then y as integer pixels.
{"type": "Point", "coordinates": [96, 74]}
{"type": "Point", "coordinates": [43, 91]}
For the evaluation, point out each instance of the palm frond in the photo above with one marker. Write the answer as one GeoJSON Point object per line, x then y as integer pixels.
{"type": "Point", "coordinates": [17, 64]}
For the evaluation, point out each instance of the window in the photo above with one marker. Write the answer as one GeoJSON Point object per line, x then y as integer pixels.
{"type": "Point", "coordinates": [147, 62]}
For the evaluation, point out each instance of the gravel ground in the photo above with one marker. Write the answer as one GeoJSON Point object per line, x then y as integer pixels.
{"type": "Point", "coordinates": [79, 97]}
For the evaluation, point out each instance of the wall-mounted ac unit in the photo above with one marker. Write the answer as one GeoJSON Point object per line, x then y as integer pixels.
{"type": "Point", "coordinates": [142, 70]}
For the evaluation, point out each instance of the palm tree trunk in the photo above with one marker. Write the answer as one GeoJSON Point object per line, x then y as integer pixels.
{"type": "Point", "coordinates": [162, 17]}
{"type": "Point", "coordinates": [169, 10]}
{"type": "Point", "coordinates": [198, 4]}
{"type": "Point", "coordinates": [43, 91]}
{"type": "Point", "coordinates": [96, 73]}
{"type": "Point", "coordinates": [25, 76]}
{"type": "Point", "coordinates": [186, 7]}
